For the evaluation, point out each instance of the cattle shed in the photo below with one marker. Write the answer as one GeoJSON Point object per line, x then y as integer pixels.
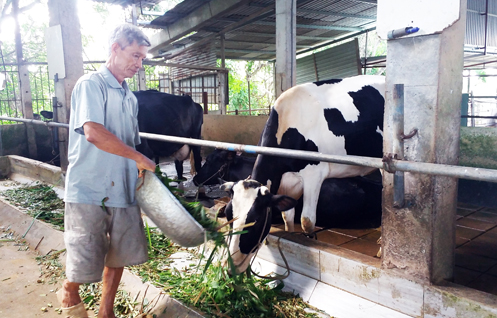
{"type": "Point", "coordinates": [433, 250]}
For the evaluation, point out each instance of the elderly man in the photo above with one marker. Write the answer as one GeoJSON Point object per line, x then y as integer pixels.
{"type": "Point", "coordinates": [103, 226]}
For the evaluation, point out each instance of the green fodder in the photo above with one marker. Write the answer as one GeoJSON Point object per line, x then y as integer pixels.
{"type": "Point", "coordinates": [209, 286]}
{"type": "Point", "coordinates": [39, 201]}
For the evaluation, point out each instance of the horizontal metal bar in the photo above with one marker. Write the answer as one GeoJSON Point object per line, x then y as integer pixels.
{"type": "Point", "coordinates": [35, 122]}
{"type": "Point", "coordinates": [479, 174]}
{"type": "Point", "coordinates": [472, 116]}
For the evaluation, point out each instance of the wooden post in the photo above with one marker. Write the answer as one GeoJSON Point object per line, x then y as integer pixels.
{"type": "Point", "coordinates": [205, 102]}
{"type": "Point", "coordinates": [64, 13]}
{"type": "Point", "coordinates": [24, 87]}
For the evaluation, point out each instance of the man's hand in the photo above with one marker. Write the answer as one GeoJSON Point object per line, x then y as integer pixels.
{"type": "Point", "coordinates": [143, 164]}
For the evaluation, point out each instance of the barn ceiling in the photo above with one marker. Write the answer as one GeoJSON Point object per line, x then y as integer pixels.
{"type": "Point", "coordinates": [249, 26]}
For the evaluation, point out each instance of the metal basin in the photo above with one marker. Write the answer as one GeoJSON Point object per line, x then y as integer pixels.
{"type": "Point", "coordinates": [160, 205]}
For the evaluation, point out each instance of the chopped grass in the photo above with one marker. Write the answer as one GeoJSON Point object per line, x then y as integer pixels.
{"type": "Point", "coordinates": [39, 201]}
{"type": "Point", "coordinates": [207, 286]}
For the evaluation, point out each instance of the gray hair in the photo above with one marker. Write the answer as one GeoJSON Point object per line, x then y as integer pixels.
{"type": "Point", "coordinates": [126, 34]}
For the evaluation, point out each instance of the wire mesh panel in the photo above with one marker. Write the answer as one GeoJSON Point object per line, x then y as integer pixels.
{"type": "Point", "coordinates": [10, 97]}
{"type": "Point", "coordinates": [196, 86]}
{"type": "Point", "coordinates": [42, 88]}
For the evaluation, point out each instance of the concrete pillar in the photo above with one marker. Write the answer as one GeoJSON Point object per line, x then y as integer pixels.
{"type": "Point", "coordinates": [64, 12]}
{"type": "Point", "coordinates": [222, 91]}
{"type": "Point", "coordinates": [286, 35]}
{"type": "Point", "coordinates": [24, 86]}
{"type": "Point", "coordinates": [419, 238]}
{"type": "Point", "coordinates": [142, 81]}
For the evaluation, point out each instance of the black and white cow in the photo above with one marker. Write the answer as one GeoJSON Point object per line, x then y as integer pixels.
{"type": "Point", "coordinates": [225, 165]}
{"type": "Point", "coordinates": [166, 114]}
{"type": "Point", "coordinates": [347, 203]}
{"type": "Point", "coordinates": [340, 117]}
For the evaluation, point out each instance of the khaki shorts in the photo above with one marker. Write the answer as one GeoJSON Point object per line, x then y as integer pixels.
{"type": "Point", "coordinates": [95, 238]}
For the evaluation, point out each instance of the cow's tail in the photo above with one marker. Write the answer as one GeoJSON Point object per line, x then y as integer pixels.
{"type": "Point", "coordinates": [193, 171]}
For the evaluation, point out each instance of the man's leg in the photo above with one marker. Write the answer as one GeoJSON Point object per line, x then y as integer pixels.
{"type": "Point", "coordinates": [70, 294]}
{"type": "Point", "coordinates": [111, 280]}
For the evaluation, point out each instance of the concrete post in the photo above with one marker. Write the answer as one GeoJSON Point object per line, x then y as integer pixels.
{"type": "Point", "coordinates": [142, 81]}
{"type": "Point", "coordinates": [64, 12]}
{"type": "Point", "coordinates": [24, 86]}
{"type": "Point", "coordinates": [286, 32]}
{"type": "Point", "coordinates": [222, 91]}
{"type": "Point", "coordinates": [419, 238]}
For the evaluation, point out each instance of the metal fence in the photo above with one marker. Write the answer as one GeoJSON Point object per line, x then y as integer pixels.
{"type": "Point", "coordinates": [42, 87]}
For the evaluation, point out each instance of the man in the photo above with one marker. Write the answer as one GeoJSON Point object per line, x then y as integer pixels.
{"type": "Point", "coordinates": [103, 226]}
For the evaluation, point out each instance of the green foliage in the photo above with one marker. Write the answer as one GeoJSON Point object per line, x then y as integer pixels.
{"type": "Point", "coordinates": [258, 75]}
{"type": "Point", "coordinates": [213, 289]}
{"type": "Point", "coordinates": [39, 201]}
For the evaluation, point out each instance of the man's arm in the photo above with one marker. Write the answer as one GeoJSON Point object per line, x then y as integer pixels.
{"type": "Point", "coordinates": [104, 140]}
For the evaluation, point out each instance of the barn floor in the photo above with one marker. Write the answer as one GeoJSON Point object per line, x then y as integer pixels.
{"type": "Point", "coordinates": [476, 242]}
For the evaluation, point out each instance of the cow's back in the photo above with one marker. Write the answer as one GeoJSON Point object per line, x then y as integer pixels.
{"type": "Point", "coordinates": [340, 117]}
{"type": "Point", "coordinates": [166, 114]}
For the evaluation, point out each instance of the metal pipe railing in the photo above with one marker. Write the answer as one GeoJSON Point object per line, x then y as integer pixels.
{"type": "Point", "coordinates": [35, 122]}
{"type": "Point", "coordinates": [479, 174]}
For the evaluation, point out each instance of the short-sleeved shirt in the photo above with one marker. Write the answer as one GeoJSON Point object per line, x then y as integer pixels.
{"type": "Point", "coordinates": [93, 174]}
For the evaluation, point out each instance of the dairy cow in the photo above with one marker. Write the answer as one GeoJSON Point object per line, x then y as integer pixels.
{"type": "Point", "coordinates": [225, 165]}
{"type": "Point", "coordinates": [340, 117]}
{"type": "Point", "coordinates": [173, 115]}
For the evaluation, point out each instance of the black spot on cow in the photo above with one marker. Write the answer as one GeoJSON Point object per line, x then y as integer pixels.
{"type": "Point", "coordinates": [329, 81]}
{"type": "Point", "coordinates": [274, 167]}
{"type": "Point", "coordinates": [361, 136]}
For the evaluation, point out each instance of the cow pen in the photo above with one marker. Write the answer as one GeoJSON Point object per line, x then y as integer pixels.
{"type": "Point", "coordinates": [314, 263]}
{"type": "Point", "coordinates": [389, 164]}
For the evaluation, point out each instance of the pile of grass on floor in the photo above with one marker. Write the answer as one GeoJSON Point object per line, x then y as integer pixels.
{"type": "Point", "coordinates": [39, 201]}
{"type": "Point", "coordinates": [207, 286]}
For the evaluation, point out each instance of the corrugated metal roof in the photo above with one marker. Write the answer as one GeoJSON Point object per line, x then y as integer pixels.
{"type": "Point", "coordinates": [318, 21]}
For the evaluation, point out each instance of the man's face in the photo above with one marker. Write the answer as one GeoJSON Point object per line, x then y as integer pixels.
{"type": "Point", "coordinates": [127, 61]}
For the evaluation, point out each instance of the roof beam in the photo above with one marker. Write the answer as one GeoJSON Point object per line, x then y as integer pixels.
{"type": "Point", "coordinates": [235, 42]}
{"type": "Point", "coordinates": [312, 26]}
{"type": "Point", "coordinates": [339, 14]}
{"type": "Point", "coordinates": [272, 35]}
{"type": "Point", "coordinates": [305, 26]}
{"type": "Point", "coordinates": [192, 22]}
{"type": "Point", "coordinates": [230, 27]}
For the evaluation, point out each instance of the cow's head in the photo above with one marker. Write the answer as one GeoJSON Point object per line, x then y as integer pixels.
{"type": "Point", "coordinates": [214, 167]}
{"type": "Point", "coordinates": [250, 206]}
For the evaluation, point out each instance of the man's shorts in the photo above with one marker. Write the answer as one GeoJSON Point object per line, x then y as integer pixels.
{"type": "Point", "coordinates": [96, 238]}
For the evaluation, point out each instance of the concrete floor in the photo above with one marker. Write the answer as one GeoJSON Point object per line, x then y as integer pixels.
{"type": "Point", "coordinates": [476, 264]}
{"type": "Point", "coordinates": [476, 241]}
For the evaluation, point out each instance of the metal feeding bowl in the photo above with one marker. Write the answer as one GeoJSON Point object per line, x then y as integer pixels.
{"type": "Point", "coordinates": [162, 207]}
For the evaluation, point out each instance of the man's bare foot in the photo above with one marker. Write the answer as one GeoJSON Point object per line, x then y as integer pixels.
{"type": "Point", "coordinates": [68, 294]}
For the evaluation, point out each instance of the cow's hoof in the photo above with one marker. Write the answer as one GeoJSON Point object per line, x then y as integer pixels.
{"type": "Point", "coordinates": [307, 225]}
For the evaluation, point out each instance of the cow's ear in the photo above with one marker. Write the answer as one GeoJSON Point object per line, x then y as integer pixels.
{"type": "Point", "coordinates": [227, 186]}
{"type": "Point", "coordinates": [283, 202]}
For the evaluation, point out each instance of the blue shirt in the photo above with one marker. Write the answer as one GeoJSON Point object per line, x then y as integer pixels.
{"type": "Point", "coordinates": [94, 174]}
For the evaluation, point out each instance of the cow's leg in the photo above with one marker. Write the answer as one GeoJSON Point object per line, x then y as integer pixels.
{"type": "Point", "coordinates": [289, 218]}
{"type": "Point", "coordinates": [291, 185]}
{"type": "Point", "coordinates": [312, 177]}
{"type": "Point", "coordinates": [179, 169]}
{"type": "Point", "coordinates": [197, 158]}
{"type": "Point", "coordinates": [180, 155]}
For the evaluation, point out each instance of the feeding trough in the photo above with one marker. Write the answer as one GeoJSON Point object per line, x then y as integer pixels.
{"type": "Point", "coordinates": [162, 207]}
